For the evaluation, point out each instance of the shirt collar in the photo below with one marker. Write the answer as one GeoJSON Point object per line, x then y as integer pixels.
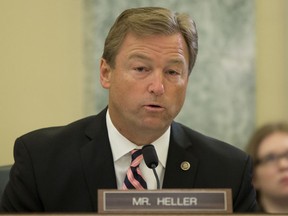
{"type": "Point", "coordinates": [120, 145]}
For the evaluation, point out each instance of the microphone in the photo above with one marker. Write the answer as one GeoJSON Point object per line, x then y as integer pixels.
{"type": "Point", "coordinates": [151, 160]}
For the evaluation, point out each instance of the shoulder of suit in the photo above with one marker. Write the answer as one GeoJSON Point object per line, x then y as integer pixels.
{"type": "Point", "coordinates": [204, 143]}
{"type": "Point", "coordinates": [58, 129]}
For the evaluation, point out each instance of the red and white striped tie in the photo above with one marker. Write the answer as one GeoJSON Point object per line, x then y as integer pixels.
{"type": "Point", "coordinates": [134, 178]}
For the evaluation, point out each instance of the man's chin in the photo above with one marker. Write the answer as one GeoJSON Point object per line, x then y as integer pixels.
{"type": "Point", "coordinates": [156, 125]}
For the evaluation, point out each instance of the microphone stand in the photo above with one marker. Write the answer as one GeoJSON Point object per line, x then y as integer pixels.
{"type": "Point", "coordinates": [153, 166]}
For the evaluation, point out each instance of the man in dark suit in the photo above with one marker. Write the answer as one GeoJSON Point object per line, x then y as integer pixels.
{"type": "Point", "coordinates": [148, 56]}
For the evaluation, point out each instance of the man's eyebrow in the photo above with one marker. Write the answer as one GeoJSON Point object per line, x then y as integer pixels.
{"type": "Point", "coordinates": [144, 57]}
{"type": "Point", "coordinates": [139, 56]}
{"type": "Point", "coordinates": [176, 61]}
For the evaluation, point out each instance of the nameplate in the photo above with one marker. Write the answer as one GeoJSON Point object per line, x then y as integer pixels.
{"type": "Point", "coordinates": [165, 201]}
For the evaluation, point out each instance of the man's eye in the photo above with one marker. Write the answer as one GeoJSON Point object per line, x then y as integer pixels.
{"type": "Point", "coordinates": [173, 72]}
{"type": "Point", "coordinates": [141, 69]}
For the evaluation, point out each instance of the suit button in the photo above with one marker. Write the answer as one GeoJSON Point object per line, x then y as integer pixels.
{"type": "Point", "coordinates": [185, 165]}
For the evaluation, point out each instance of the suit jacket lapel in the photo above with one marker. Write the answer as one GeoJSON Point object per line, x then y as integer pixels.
{"type": "Point", "coordinates": [97, 158]}
{"type": "Point", "coordinates": [180, 151]}
{"type": "Point", "coordinates": [98, 164]}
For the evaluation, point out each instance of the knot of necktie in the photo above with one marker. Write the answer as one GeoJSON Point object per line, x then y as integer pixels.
{"type": "Point", "coordinates": [136, 157]}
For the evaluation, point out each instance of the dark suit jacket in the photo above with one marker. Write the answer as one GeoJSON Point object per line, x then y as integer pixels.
{"type": "Point", "coordinates": [61, 168]}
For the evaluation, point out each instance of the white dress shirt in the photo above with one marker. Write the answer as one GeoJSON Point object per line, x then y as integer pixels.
{"type": "Point", "coordinates": [121, 148]}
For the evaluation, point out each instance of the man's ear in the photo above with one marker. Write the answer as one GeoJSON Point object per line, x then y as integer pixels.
{"type": "Point", "coordinates": [105, 74]}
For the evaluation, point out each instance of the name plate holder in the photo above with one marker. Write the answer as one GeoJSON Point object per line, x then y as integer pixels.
{"type": "Point", "coordinates": [165, 201]}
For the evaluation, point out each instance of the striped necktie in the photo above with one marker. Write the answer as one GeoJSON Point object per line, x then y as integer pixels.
{"type": "Point", "coordinates": [134, 178]}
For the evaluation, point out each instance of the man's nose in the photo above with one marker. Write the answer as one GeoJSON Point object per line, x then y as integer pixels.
{"type": "Point", "coordinates": [156, 85]}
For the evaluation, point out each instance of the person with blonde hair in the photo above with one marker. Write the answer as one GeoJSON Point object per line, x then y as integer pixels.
{"type": "Point", "coordinates": [268, 146]}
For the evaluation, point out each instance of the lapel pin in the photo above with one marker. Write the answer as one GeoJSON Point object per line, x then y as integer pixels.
{"type": "Point", "coordinates": [185, 165]}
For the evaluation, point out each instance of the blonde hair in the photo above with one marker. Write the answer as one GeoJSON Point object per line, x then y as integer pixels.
{"type": "Point", "coordinates": [150, 21]}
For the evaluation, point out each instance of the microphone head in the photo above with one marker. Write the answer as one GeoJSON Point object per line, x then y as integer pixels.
{"type": "Point", "coordinates": [150, 156]}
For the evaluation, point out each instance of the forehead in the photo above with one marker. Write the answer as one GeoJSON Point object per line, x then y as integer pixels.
{"type": "Point", "coordinates": [173, 45]}
{"type": "Point", "coordinates": [276, 142]}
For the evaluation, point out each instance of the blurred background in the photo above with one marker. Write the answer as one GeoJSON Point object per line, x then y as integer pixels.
{"type": "Point", "coordinates": [50, 51]}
